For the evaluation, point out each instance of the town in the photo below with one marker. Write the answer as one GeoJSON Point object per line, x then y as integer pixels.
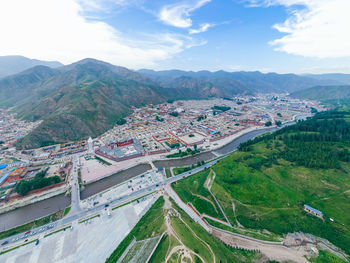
{"type": "Point", "coordinates": [155, 132]}
{"type": "Point", "coordinates": [133, 160]}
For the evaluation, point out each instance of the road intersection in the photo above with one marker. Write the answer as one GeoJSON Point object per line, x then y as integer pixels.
{"type": "Point", "coordinates": [77, 213]}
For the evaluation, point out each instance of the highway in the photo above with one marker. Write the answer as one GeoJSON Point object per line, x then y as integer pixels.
{"type": "Point", "coordinates": [51, 205]}
{"type": "Point", "coordinates": [81, 214]}
{"type": "Point", "coordinates": [77, 213]}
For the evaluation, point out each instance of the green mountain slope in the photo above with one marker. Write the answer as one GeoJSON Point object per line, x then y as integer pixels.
{"type": "Point", "coordinates": [270, 179]}
{"type": "Point", "coordinates": [86, 98]}
{"type": "Point", "coordinates": [235, 82]}
{"type": "Point", "coordinates": [14, 89]}
{"type": "Point", "coordinates": [323, 93]}
{"type": "Point", "coordinates": [80, 100]}
{"type": "Point", "coordinates": [10, 65]}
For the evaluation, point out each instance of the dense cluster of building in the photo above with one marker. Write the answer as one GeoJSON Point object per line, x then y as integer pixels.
{"type": "Point", "coordinates": [150, 130]}
{"type": "Point", "coordinates": [12, 129]}
{"type": "Point", "coordinates": [156, 129]}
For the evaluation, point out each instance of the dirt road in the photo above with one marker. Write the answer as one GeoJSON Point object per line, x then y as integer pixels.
{"type": "Point", "coordinates": [273, 252]}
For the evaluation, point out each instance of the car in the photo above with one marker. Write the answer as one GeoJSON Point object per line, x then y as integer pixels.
{"type": "Point", "coordinates": [26, 240]}
{"type": "Point", "coordinates": [4, 243]}
{"type": "Point", "coordinates": [106, 205]}
{"type": "Point", "coordinates": [37, 242]}
{"type": "Point", "coordinates": [27, 232]}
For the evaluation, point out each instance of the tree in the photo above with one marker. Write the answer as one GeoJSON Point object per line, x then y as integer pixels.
{"type": "Point", "coordinates": [159, 119]}
{"type": "Point", "coordinates": [22, 187]}
{"type": "Point", "coordinates": [278, 123]}
{"type": "Point", "coordinates": [221, 108]}
{"type": "Point", "coordinates": [268, 123]}
{"type": "Point", "coordinates": [195, 147]}
{"type": "Point", "coordinates": [121, 121]}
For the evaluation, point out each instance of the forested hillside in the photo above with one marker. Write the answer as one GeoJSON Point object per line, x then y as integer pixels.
{"type": "Point", "coordinates": [323, 93]}
{"type": "Point", "coordinates": [316, 143]}
{"type": "Point", "coordinates": [266, 183]}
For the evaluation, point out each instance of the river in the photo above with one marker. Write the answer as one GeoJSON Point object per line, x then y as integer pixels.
{"type": "Point", "coordinates": [31, 212]}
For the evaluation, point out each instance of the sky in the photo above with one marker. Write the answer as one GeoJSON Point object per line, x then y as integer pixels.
{"type": "Point", "coordinates": [284, 36]}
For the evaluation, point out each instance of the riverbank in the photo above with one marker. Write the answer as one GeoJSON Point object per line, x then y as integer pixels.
{"type": "Point", "coordinates": [39, 209]}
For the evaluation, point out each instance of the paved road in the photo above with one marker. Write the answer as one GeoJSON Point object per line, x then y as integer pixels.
{"type": "Point", "coordinates": [103, 184]}
{"type": "Point", "coordinates": [114, 203]}
{"type": "Point", "coordinates": [75, 193]}
{"type": "Point", "coordinates": [29, 213]}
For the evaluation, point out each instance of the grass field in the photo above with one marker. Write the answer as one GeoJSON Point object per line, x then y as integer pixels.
{"type": "Point", "coordinates": [141, 250]}
{"type": "Point", "coordinates": [162, 249]}
{"type": "Point", "coordinates": [152, 223]}
{"type": "Point", "coordinates": [194, 191]}
{"type": "Point", "coordinates": [198, 240]}
{"type": "Point", "coordinates": [168, 172]}
{"type": "Point", "coordinates": [260, 190]}
{"type": "Point", "coordinates": [254, 233]}
{"type": "Point", "coordinates": [66, 210]}
{"type": "Point", "coordinates": [181, 170]}
{"type": "Point", "coordinates": [326, 257]}
{"type": "Point", "coordinates": [188, 234]}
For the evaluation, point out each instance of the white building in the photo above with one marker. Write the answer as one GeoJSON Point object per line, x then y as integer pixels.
{"type": "Point", "coordinates": [90, 145]}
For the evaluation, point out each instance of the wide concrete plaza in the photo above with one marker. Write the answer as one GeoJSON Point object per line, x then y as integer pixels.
{"type": "Point", "coordinates": [92, 241]}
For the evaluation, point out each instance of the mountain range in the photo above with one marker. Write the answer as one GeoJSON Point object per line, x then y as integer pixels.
{"type": "Point", "coordinates": [336, 96]}
{"type": "Point", "coordinates": [10, 65]}
{"type": "Point", "coordinates": [228, 83]}
{"type": "Point", "coordinates": [88, 97]}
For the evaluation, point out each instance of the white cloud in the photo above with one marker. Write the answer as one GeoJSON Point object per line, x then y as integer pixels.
{"type": "Point", "coordinates": [315, 28]}
{"type": "Point", "coordinates": [201, 29]}
{"type": "Point", "coordinates": [178, 15]}
{"type": "Point", "coordinates": [57, 30]}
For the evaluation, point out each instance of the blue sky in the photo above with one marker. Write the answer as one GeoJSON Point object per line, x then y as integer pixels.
{"type": "Point", "coordinates": [298, 36]}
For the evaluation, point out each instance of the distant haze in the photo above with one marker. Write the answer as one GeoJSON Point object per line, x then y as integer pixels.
{"type": "Point", "coordinates": [10, 65]}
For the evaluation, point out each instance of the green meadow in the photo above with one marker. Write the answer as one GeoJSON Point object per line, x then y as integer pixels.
{"type": "Point", "coordinates": [265, 185]}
